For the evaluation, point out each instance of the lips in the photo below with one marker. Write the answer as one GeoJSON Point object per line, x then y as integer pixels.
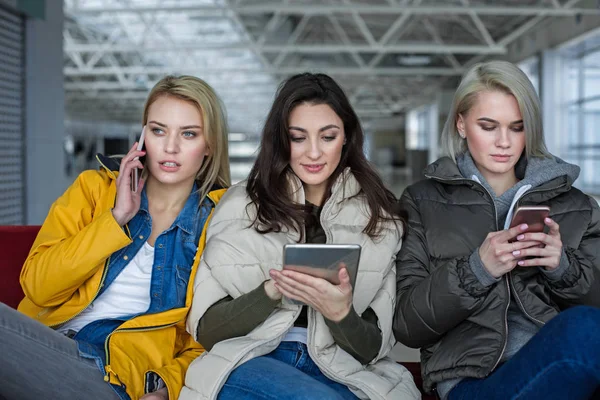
{"type": "Point", "coordinates": [169, 166]}
{"type": "Point", "coordinates": [501, 157]}
{"type": "Point", "coordinates": [313, 168]}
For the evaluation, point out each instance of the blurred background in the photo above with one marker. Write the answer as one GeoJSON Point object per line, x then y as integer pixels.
{"type": "Point", "coordinates": [74, 76]}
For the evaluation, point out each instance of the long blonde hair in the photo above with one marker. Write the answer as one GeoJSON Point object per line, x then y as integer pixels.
{"type": "Point", "coordinates": [496, 76]}
{"type": "Point", "coordinates": [215, 168]}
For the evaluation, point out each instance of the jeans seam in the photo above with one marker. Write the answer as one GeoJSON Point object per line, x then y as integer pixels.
{"type": "Point", "coordinates": [544, 371]}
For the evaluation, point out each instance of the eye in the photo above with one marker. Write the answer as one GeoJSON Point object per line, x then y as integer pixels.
{"type": "Point", "coordinates": [488, 128]}
{"type": "Point", "coordinates": [329, 138]}
{"type": "Point", "coordinates": [518, 128]}
{"type": "Point", "coordinates": [157, 131]}
{"type": "Point", "coordinates": [189, 134]}
{"type": "Point", "coordinates": [297, 139]}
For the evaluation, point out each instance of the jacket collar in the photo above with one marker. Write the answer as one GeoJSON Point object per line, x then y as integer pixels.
{"type": "Point", "coordinates": [344, 187]}
{"type": "Point", "coordinates": [186, 217]}
{"type": "Point", "coordinates": [445, 169]}
{"type": "Point", "coordinates": [110, 164]}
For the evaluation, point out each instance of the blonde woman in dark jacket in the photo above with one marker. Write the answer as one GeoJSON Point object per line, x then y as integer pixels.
{"type": "Point", "coordinates": [484, 309]}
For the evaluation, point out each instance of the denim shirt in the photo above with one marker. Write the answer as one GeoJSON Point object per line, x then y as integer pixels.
{"type": "Point", "coordinates": [174, 252]}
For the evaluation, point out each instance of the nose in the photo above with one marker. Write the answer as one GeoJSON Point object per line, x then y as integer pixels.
{"type": "Point", "coordinates": [503, 138]}
{"type": "Point", "coordinates": [172, 143]}
{"type": "Point", "coordinates": [314, 152]}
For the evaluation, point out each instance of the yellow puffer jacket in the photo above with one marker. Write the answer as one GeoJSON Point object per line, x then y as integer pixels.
{"type": "Point", "coordinates": [65, 270]}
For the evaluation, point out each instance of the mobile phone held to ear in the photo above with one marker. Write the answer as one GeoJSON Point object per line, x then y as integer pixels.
{"type": "Point", "coordinates": [135, 172]}
{"type": "Point", "coordinates": [533, 216]}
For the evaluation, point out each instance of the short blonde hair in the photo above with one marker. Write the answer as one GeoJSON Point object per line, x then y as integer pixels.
{"type": "Point", "coordinates": [215, 168]}
{"type": "Point", "coordinates": [496, 76]}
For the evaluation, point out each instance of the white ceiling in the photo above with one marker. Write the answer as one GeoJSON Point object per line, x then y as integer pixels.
{"type": "Point", "coordinates": [387, 54]}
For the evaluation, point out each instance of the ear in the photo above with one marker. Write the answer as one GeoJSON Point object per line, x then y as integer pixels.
{"type": "Point", "coordinates": [460, 126]}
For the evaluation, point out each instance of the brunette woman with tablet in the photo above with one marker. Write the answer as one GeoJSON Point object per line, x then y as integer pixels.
{"type": "Point", "coordinates": [311, 183]}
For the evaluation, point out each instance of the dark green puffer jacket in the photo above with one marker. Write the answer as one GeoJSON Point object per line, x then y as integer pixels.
{"type": "Point", "coordinates": [442, 308]}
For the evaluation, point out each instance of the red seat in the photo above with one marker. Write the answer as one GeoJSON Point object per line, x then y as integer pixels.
{"type": "Point", "coordinates": [17, 241]}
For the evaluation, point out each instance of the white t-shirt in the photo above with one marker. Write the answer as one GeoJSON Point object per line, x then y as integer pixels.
{"type": "Point", "coordinates": [128, 294]}
{"type": "Point", "coordinates": [296, 334]}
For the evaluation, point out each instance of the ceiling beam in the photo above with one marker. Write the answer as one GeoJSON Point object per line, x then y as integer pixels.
{"type": "Point", "coordinates": [437, 38]}
{"type": "Point", "coordinates": [296, 48]}
{"type": "Point", "coordinates": [79, 93]}
{"type": "Point", "coordinates": [327, 9]}
{"type": "Point", "coordinates": [70, 72]}
{"type": "Point", "coordinates": [480, 25]}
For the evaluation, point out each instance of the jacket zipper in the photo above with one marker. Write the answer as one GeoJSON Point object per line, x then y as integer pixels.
{"type": "Point", "coordinates": [108, 367]}
{"type": "Point", "coordinates": [311, 320]}
{"type": "Point", "coordinates": [519, 302]}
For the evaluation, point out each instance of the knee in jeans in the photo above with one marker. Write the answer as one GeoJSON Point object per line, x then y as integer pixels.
{"type": "Point", "coordinates": [314, 393]}
{"type": "Point", "coordinates": [581, 316]}
{"type": "Point", "coordinates": [579, 323]}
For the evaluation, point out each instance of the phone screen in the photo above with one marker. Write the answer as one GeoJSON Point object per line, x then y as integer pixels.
{"type": "Point", "coordinates": [533, 216]}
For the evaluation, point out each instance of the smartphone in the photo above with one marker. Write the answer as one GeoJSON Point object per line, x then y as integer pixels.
{"type": "Point", "coordinates": [135, 172]}
{"type": "Point", "coordinates": [533, 216]}
{"type": "Point", "coordinates": [322, 261]}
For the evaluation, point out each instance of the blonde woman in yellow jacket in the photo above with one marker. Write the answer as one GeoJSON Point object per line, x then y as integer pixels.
{"type": "Point", "coordinates": [106, 281]}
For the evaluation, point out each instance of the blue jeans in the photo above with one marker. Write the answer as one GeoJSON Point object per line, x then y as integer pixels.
{"type": "Point", "coordinates": [562, 361]}
{"type": "Point", "coordinates": [287, 373]}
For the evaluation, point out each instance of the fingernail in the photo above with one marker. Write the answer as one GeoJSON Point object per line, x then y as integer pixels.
{"type": "Point", "coordinates": [520, 237]}
{"type": "Point", "coordinates": [548, 220]}
{"type": "Point", "coordinates": [516, 253]}
{"type": "Point", "coordinates": [521, 262]}
{"type": "Point", "coordinates": [523, 227]}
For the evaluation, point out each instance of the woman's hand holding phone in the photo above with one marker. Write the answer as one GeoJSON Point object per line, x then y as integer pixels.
{"type": "Point", "coordinates": [128, 202]}
{"type": "Point", "coordinates": [334, 302]}
{"type": "Point", "coordinates": [499, 255]}
{"type": "Point", "coordinates": [548, 255]}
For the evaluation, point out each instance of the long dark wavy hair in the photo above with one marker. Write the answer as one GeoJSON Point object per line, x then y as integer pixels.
{"type": "Point", "coordinates": [268, 186]}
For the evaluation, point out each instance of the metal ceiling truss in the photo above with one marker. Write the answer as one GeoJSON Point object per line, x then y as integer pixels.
{"type": "Point", "coordinates": [388, 54]}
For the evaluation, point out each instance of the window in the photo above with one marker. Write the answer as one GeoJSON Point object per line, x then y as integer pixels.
{"type": "Point", "coordinates": [581, 92]}
{"type": "Point", "coordinates": [418, 128]}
